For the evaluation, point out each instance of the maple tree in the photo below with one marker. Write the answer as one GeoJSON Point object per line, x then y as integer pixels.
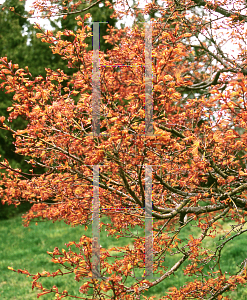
{"type": "Point", "coordinates": [197, 150]}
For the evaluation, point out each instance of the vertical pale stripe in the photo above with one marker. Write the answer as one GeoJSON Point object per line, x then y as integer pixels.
{"type": "Point", "coordinates": [96, 81]}
{"type": "Point", "coordinates": [148, 81]}
{"type": "Point", "coordinates": [148, 223]}
{"type": "Point", "coordinates": [96, 224]}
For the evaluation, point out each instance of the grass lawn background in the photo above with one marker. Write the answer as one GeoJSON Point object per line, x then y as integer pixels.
{"type": "Point", "coordinates": [25, 248]}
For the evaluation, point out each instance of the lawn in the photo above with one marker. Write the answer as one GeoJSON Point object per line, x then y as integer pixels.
{"type": "Point", "coordinates": [25, 248]}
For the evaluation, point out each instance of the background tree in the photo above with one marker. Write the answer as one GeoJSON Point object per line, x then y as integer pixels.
{"type": "Point", "coordinates": [198, 180]}
{"type": "Point", "coordinates": [14, 44]}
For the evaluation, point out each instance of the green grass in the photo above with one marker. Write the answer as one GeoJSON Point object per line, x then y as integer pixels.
{"type": "Point", "coordinates": [25, 248]}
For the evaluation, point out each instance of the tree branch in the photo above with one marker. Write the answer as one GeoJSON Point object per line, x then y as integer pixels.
{"type": "Point", "coordinates": [221, 10]}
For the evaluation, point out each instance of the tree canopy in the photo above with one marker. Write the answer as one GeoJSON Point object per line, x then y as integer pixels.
{"type": "Point", "coordinates": [18, 41]}
{"type": "Point", "coordinates": [176, 137]}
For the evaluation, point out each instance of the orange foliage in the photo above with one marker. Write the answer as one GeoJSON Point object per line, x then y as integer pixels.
{"type": "Point", "coordinates": [198, 150]}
